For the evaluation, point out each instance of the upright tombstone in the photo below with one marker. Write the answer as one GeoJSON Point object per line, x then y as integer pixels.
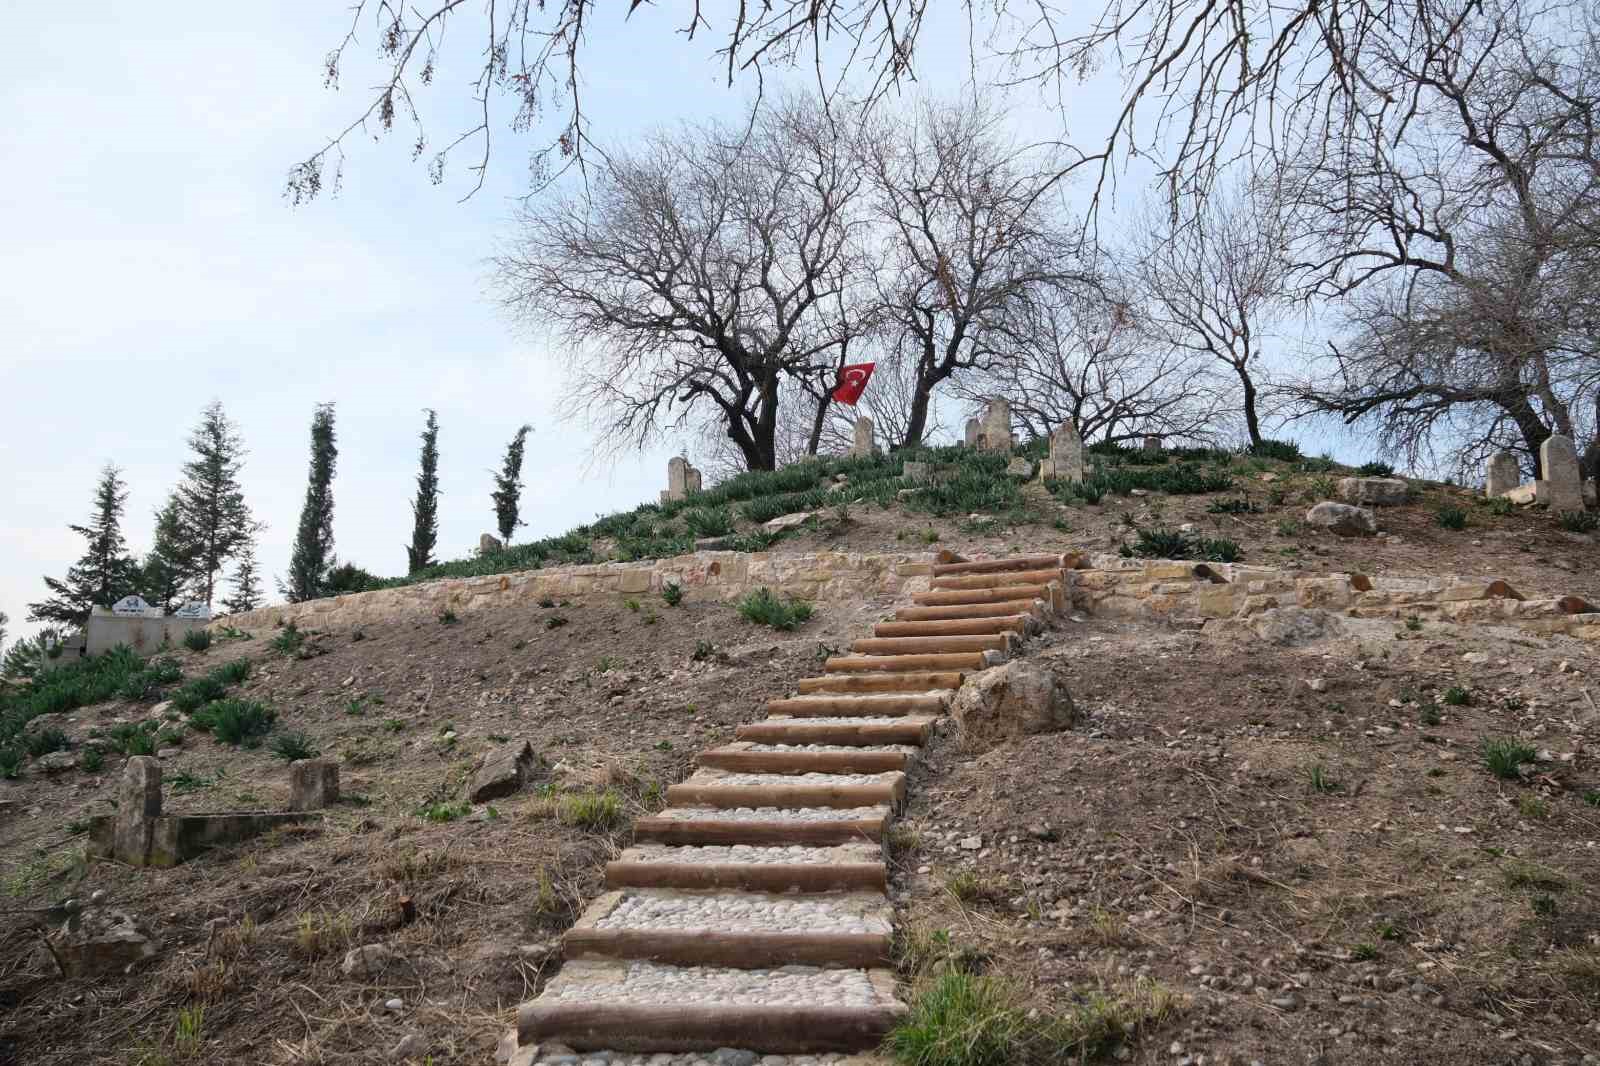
{"type": "Point", "coordinates": [1065, 461]}
{"type": "Point", "coordinates": [1504, 474]}
{"type": "Point", "coordinates": [691, 481]}
{"type": "Point", "coordinates": [677, 479]}
{"type": "Point", "coordinates": [193, 611]}
{"type": "Point", "coordinates": [313, 784]}
{"type": "Point", "coordinates": [138, 809]}
{"type": "Point", "coordinates": [1152, 444]}
{"type": "Point", "coordinates": [996, 429]}
{"type": "Point", "coordinates": [1561, 487]}
{"type": "Point", "coordinates": [488, 544]}
{"type": "Point", "coordinates": [863, 444]}
{"type": "Point", "coordinates": [135, 607]}
{"type": "Point", "coordinates": [974, 432]}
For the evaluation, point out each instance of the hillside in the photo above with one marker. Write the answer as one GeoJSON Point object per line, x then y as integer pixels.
{"type": "Point", "coordinates": [1294, 841]}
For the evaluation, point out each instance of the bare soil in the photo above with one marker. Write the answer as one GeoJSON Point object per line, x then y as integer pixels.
{"type": "Point", "coordinates": [1326, 876]}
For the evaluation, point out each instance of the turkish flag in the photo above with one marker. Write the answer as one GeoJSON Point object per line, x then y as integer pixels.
{"type": "Point", "coordinates": [852, 382]}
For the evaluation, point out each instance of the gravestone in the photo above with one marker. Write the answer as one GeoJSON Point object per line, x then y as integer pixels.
{"type": "Point", "coordinates": [863, 444]}
{"type": "Point", "coordinates": [1152, 444]}
{"type": "Point", "coordinates": [1065, 461]}
{"type": "Point", "coordinates": [974, 432]}
{"type": "Point", "coordinates": [135, 607]}
{"type": "Point", "coordinates": [195, 611]}
{"type": "Point", "coordinates": [1504, 474]}
{"type": "Point", "coordinates": [138, 809]}
{"type": "Point", "coordinates": [1561, 487]}
{"type": "Point", "coordinates": [488, 544]}
{"type": "Point", "coordinates": [682, 479]}
{"type": "Point", "coordinates": [917, 473]}
{"type": "Point", "coordinates": [995, 433]}
{"type": "Point", "coordinates": [313, 784]}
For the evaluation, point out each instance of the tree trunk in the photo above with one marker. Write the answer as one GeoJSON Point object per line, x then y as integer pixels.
{"type": "Point", "coordinates": [1250, 421]}
{"type": "Point", "coordinates": [817, 422]}
{"type": "Point", "coordinates": [1534, 432]}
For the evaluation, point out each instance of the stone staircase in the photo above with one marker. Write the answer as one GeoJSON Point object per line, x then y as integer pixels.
{"type": "Point", "coordinates": [751, 917]}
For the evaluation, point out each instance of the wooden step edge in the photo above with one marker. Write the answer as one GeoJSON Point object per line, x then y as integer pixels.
{"type": "Point", "coordinates": [785, 795]}
{"type": "Point", "coordinates": [961, 597]}
{"type": "Point", "coordinates": [804, 762]}
{"type": "Point", "coordinates": [596, 1026]}
{"type": "Point", "coordinates": [803, 877]}
{"type": "Point", "coordinates": [904, 682]}
{"type": "Point", "coordinates": [737, 950]}
{"type": "Point", "coordinates": [955, 627]}
{"type": "Point", "coordinates": [857, 705]}
{"type": "Point", "coordinates": [1035, 609]}
{"type": "Point", "coordinates": [931, 645]}
{"type": "Point", "coordinates": [969, 582]}
{"type": "Point", "coordinates": [1048, 561]}
{"type": "Point", "coordinates": [914, 731]}
{"type": "Point", "coordinates": [778, 832]}
{"type": "Point", "coordinates": [855, 664]}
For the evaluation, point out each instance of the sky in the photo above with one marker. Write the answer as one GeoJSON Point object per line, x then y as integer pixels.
{"type": "Point", "coordinates": [149, 265]}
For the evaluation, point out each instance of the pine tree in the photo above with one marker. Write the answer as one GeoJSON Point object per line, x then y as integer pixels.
{"type": "Point", "coordinates": [211, 509]}
{"type": "Point", "coordinates": [313, 542]}
{"type": "Point", "coordinates": [170, 564]}
{"type": "Point", "coordinates": [425, 509]}
{"type": "Point", "coordinates": [507, 493]}
{"type": "Point", "coordinates": [3, 621]}
{"type": "Point", "coordinates": [246, 581]}
{"type": "Point", "coordinates": [105, 573]}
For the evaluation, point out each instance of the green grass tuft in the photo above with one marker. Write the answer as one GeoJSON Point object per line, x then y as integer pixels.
{"type": "Point", "coordinates": [1504, 756]}
{"type": "Point", "coordinates": [235, 721]}
{"type": "Point", "coordinates": [764, 608]}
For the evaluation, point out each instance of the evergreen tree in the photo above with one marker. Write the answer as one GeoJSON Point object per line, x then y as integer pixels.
{"type": "Point", "coordinates": [507, 493]}
{"type": "Point", "coordinates": [3, 621]}
{"type": "Point", "coordinates": [170, 565]}
{"type": "Point", "coordinates": [105, 573]}
{"type": "Point", "coordinates": [425, 509]}
{"type": "Point", "coordinates": [246, 581]}
{"type": "Point", "coordinates": [214, 518]}
{"type": "Point", "coordinates": [21, 659]}
{"type": "Point", "coordinates": [313, 542]}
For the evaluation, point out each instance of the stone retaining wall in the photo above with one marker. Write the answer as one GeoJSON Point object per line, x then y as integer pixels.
{"type": "Point", "coordinates": [821, 576]}
{"type": "Point", "coordinates": [1115, 587]}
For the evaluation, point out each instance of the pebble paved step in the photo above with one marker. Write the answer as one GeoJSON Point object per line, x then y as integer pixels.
{"type": "Point", "coordinates": [955, 660]}
{"type": "Point", "coordinates": [844, 729]}
{"type": "Point", "coordinates": [908, 681]}
{"type": "Point", "coordinates": [959, 597]}
{"type": "Point", "coordinates": [995, 609]}
{"type": "Point", "coordinates": [560, 1055]}
{"type": "Point", "coordinates": [721, 788]}
{"type": "Point", "coordinates": [958, 627]}
{"type": "Point", "coordinates": [997, 581]}
{"type": "Point", "coordinates": [931, 645]}
{"type": "Point", "coordinates": [1015, 562]}
{"type": "Point", "coordinates": [744, 930]}
{"type": "Point", "coordinates": [631, 1005]}
{"type": "Point", "coordinates": [756, 868]}
{"type": "Point", "coordinates": [807, 758]}
{"type": "Point", "coordinates": [869, 705]}
{"type": "Point", "coordinates": [695, 824]}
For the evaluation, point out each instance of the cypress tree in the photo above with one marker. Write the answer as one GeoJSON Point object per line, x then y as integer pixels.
{"type": "Point", "coordinates": [246, 580]}
{"type": "Point", "coordinates": [170, 564]}
{"type": "Point", "coordinates": [213, 518]}
{"type": "Point", "coordinates": [507, 493]}
{"type": "Point", "coordinates": [313, 542]}
{"type": "Point", "coordinates": [425, 508]}
{"type": "Point", "coordinates": [105, 573]}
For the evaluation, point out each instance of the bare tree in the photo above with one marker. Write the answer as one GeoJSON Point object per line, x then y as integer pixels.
{"type": "Point", "coordinates": [1085, 357]}
{"type": "Point", "coordinates": [1463, 238]}
{"type": "Point", "coordinates": [971, 230]}
{"type": "Point", "coordinates": [1216, 285]}
{"type": "Point", "coordinates": [700, 276]}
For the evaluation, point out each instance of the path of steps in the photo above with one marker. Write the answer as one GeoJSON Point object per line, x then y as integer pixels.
{"type": "Point", "coordinates": [751, 917]}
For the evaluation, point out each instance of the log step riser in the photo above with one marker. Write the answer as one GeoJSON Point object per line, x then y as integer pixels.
{"type": "Point", "coordinates": [948, 681]}
{"type": "Point", "coordinates": [954, 627]}
{"type": "Point", "coordinates": [962, 597]}
{"type": "Point", "coordinates": [929, 645]}
{"type": "Point", "coordinates": [963, 661]}
{"type": "Point", "coordinates": [746, 951]}
{"type": "Point", "coordinates": [993, 581]}
{"type": "Point", "coordinates": [751, 877]}
{"type": "Point", "coordinates": [587, 1026]}
{"type": "Point", "coordinates": [960, 611]}
{"type": "Point", "coordinates": [848, 707]}
{"type": "Point", "coordinates": [799, 733]}
{"type": "Point", "coordinates": [805, 762]}
{"type": "Point", "coordinates": [775, 833]}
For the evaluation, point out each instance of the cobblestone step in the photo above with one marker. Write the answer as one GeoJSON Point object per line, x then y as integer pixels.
{"type": "Point", "coordinates": [755, 868]}
{"type": "Point", "coordinates": [643, 1006]}
{"type": "Point", "coordinates": [719, 788]}
{"type": "Point", "coordinates": [807, 758]}
{"type": "Point", "coordinates": [694, 824]}
{"type": "Point", "coordinates": [743, 930]}
{"type": "Point", "coordinates": [848, 729]}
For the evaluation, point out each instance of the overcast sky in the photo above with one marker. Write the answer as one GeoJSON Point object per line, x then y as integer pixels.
{"type": "Point", "coordinates": [149, 265]}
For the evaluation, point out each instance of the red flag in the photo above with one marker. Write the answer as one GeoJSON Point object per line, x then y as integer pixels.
{"type": "Point", "coordinates": [852, 382]}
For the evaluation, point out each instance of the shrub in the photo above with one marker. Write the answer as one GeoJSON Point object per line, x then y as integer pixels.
{"type": "Point", "coordinates": [1236, 506]}
{"type": "Point", "coordinates": [1288, 527]}
{"type": "Point", "coordinates": [92, 760]}
{"type": "Point", "coordinates": [591, 810]}
{"type": "Point", "coordinates": [764, 608]}
{"type": "Point", "coordinates": [10, 762]}
{"type": "Point", "coordinates": [1456, 696]}
{"type": "Point", "coordinates": [1500, 507]}
{"type": "Point", "coordinates": [447, 617]}
{"type": "Point", "coordinates": [349, 578]}
{"type": "Point", "coordinates": [145, 685]}
{"type": "Point", "coordinates": [1451, 517]}
{"type": "Point", "coordinates": [708, 521]}
{"type": "Point", "coordinates": [1578, 521]}
{"type": "Point", "coordinates": [294, 745]}
{"type": "Point", "coordinates": [288, 640]}
{"type": "Point", "coordinates": [197, 639]}
{"type": "Point", "coordinates": [1163, 543]}
{"type": "Point", "coordinates": [235, 721]}
{"type": "Point", "coordinates": [444, 810]}
{"type": "Point", "coordinates": [1504, 756]}
{"type": "Point", "coordinates": [233, 672]}
{"type": "Point", "coordinates": [672, 593]}
{"type": "Point", "coordinates": [44, 741]}
{"type": "Point", "coordinates": [134, 738]}
{"type": "Point", "coordinates": [1322, 464]}
{"type": "Point", "coordinates": [1375, 470]}
{"type": "Point", "coordinates": [1286, 451]}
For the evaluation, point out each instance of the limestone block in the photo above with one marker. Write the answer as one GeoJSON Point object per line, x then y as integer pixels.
{"type": "Point", "coordinates": [634, 581]}
{"type": "Point", "coordinates": [313, 784]}
{"type": "Point", "coordinates": [101, 940]}
{"type": "Point", "coordinates": [1503, 474]}
{"type": "Point", "coordinates": [1013, 700]}
{"type": "Point", "coordinates": [1523, 495]}
{"type": "Point", "coordinates": [1218, 601]}
{"type": "Point", "coordinates": [1373, 491]}
{"type": "Point", "coordinates": [138, 808]}
{"type": "Point", "coordinates": [1561, 487]}
{"type": "Point", "coordinates": [1342, 519]}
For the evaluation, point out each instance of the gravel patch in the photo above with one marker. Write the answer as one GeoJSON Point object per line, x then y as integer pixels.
{"type": "Point", "coordinates": [648, 982]}
{"type": "Point", "coordinates": [749, 854]}
{"type": "Point", "coordinates": [740, 912]}
{"type": "Point", "coordinates": [773, 814]}
{"type": "Point", "coordinates": [738, 779]}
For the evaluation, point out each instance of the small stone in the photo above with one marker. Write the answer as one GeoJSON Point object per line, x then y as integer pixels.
{"type": "Point", "coordinates": [971, 843]}
{"type": "Point", "coordinates": [394, 1004]}
{"type": "Point", "coordinates": [503, 772]}
{"type": "Point", "coordinates": [1342, 519]}
{"type": "Point", "coordinates": [1286, 1002]}
{"type": "Point", "coordinates": [1317, 684]}
{"type": "Point", "coordinates": [368, 960]}
{"type": "Point", "coordinates": [411, 1046]}
{"type": "Point", "coordinates": [56, 761]}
